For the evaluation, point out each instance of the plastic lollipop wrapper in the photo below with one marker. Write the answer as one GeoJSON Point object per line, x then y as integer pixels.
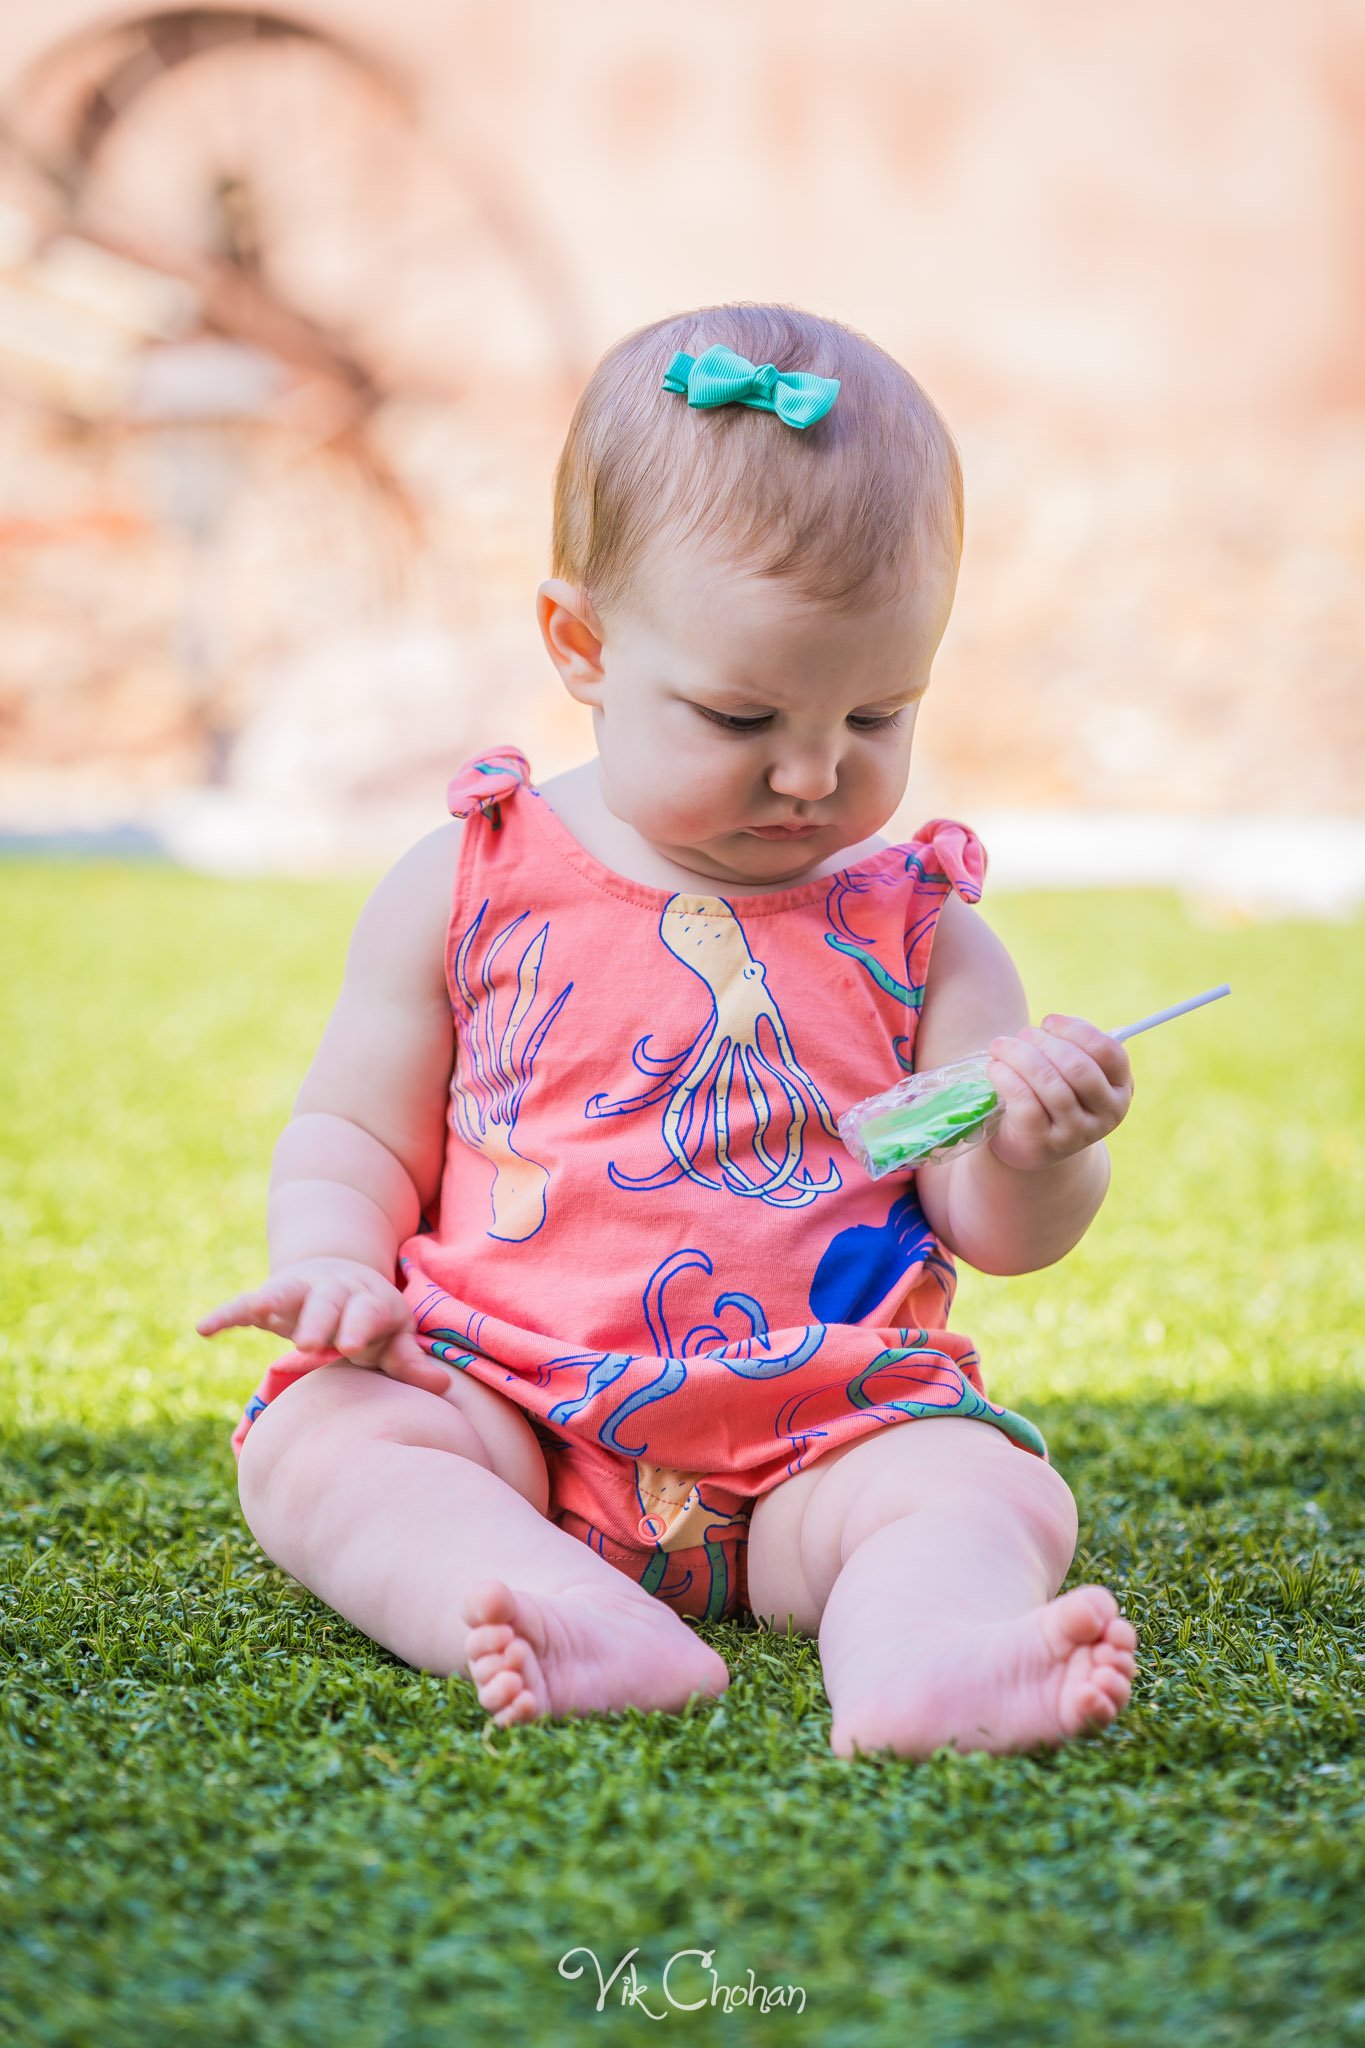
{"type": "Point", "coordinates": [946, 1110]}
{"type": "Point", "coordinates": [923, 1118]}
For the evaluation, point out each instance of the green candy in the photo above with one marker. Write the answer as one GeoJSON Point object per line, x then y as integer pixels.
{"type": "Point", "coordinates": [905, 1135]}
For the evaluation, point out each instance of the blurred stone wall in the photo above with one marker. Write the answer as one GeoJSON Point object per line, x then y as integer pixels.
{"type": "Point", "coordinates": [1122, 248]}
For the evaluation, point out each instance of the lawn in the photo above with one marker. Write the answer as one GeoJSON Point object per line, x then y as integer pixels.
{"type": "Point", "coordinates": [230, 1818]}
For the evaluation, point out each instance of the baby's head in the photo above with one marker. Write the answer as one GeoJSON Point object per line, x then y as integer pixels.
{"type": "Point", "coordinates": [719, 565]}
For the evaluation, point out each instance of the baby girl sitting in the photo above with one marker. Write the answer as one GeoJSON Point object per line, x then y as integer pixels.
{"type": "Point", "coordinates": [617, 1336]}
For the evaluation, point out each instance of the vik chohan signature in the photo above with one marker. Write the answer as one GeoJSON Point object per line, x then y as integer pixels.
{"type": "Point", "coordinates": [728, 1996]}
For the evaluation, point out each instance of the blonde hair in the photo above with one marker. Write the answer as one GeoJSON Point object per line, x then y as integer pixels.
{"type": "Point", "coordinates": [837, 510]}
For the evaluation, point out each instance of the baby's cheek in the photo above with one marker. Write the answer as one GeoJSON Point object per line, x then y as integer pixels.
{"type": "Point", "coordinates": [685, 809]}
{"type": "Point", "coordinates": [684, 794]}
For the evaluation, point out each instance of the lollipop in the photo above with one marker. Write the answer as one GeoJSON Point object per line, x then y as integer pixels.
{"type": "Point", "coordinates": [950, 1109]}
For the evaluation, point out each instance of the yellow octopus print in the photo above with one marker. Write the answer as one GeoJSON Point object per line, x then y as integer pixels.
{"type": "Point", "coordinates": [745, 1035]}
{"type": "Point", "coordinates": [673, 1513]}
{"type": "Point", "coordinates": [493, 1072]}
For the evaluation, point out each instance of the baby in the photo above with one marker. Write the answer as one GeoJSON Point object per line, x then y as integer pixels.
{"type": "Point", "coordinates": [617, 1336]}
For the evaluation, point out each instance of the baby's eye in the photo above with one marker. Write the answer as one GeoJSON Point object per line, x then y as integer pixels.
{"type": "Point", "coordinates": [757, 724]}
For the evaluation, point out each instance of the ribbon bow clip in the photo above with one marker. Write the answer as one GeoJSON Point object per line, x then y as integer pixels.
{"type": "Point", "coordinates": [721, 377]}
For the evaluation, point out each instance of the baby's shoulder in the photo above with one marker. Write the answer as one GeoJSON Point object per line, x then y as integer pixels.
{"type": "Point", "coordinates": [426, 872]}
{"type": "Point", "coordinates": [402, 928]}
{"type": "Point", "coordinates": [972, 988]}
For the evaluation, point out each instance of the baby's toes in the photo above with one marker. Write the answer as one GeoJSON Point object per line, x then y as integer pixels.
{"type": "Point", "coordinates": [500, 1690]}
{"type": "Point", "coordinates": [1102, 1692]}
{"type": "Point", "coordinates": [485, 1671]}
{"type": "Point", "coordinates": [1106, 1692]}
{"type": "Point", "coordinates": [499, 1678]}
{"type": "Point", "coordinates": [521, 1708]}
{"type": "Point", "coordinates": [490, 1636]}
{"type": "Point", "coordinates": [490, 1604]}
{"type": "Point", "coordinates": [1110, 1656]}
{"type": "Point", "coordinates": [1095, 1708]}
{"type": "Point", "coordinates": [1093, 1693]}
{"type": "Point", "coordinates": [1078, 1619]}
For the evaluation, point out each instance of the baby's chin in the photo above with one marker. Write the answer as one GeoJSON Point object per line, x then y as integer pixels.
{"type": "Point", "coordinates": [741, 856]}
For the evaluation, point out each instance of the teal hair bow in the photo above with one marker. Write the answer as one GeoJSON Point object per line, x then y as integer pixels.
{"type": "Point", "coordinates": [720, 377]}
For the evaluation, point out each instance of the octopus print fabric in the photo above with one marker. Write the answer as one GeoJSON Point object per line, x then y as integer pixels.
{"type": "Point", "coordinates": [648, 1234]}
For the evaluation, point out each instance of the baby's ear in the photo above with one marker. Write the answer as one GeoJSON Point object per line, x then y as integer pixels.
{"type": "Point", "coordinates": [572, 633]}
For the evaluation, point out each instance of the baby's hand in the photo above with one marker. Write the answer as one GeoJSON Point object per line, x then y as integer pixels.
{"type": "Point", "coordinates": [1064, 1086]}
{"type": "Point", "coordinates": [339, 1305]}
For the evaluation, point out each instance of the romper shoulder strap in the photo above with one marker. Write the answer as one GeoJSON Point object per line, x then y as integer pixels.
{"type": "Point", "coordinates": [486, 781]}
{"type": "Point", "coordinates": [958, 852]}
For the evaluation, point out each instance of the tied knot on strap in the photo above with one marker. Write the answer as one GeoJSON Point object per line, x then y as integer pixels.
{"type": "Point", "coordinates": [484, 784]}
{"type": "Point", "coordinates": [720, 377]}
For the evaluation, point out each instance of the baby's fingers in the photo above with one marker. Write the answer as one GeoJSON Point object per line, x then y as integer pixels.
{"type": "Point", "coordinates": [315, 1329]}
{"type": "Point", "coordinates": [406, 1360]}
{"type": "Point", "coordinates": [375, 1332]}
{"type": "Point", "coordinates": [215, 1319]}
{"type": "Point", "coordinates": [366, 1324]}
{"type": "Point", "coordinates": [260, 1308]}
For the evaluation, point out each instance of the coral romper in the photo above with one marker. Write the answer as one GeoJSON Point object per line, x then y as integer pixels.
{"type": "Point", "coordinates": [649, 1234]}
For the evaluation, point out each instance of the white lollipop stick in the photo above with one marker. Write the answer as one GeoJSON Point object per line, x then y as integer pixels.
{"type": "Point", "coordinates": [1210, 995]}
{"type": "Point", "coordinates": [963, 1124]}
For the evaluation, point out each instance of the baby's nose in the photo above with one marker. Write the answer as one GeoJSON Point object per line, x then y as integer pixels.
{"type": "Point", "coordinates": [806, 777]}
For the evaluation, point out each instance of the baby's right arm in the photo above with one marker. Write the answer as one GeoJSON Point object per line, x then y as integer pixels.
{"type": "Point", "coordinates": [363, 1154]}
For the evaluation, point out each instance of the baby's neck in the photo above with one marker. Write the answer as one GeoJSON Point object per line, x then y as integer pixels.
{"type": "Point", "coordinates": [575, 798]}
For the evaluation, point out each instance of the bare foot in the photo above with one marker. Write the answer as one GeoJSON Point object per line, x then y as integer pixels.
{"type": "Point", "coordinates": [585, 1650]}
{"type": "Point", "coordinates": [1038, 1679]}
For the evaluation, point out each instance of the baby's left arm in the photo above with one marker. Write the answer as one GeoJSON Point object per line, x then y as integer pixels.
{"type": "Point", "coordinates": [1029, 1194]}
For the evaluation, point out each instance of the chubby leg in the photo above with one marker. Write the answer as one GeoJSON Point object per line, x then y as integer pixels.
{"type": "Point", "coordinates": [927, 1558]}
{"type": "Point", "coordinates": [421, 1518]}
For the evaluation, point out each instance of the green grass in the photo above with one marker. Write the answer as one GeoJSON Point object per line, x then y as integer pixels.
{"type": "Point", "coordinates": [232, 1818]}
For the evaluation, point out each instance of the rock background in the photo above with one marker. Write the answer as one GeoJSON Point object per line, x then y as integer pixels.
{"type": "Point", "coordinates": [1123, 253]}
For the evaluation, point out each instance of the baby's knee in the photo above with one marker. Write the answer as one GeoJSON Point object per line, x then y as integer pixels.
{"type": "Point", "coordinates": [967, 1461]}
{"type": "Point", "coordinates": [317, 1428]}
{"type": "Point", "coordinates": [1038, 1496]}
{"type": "Point", "coordinates": [313, 1429]}
{"type": "Point", "coordinates": [279, 1428]}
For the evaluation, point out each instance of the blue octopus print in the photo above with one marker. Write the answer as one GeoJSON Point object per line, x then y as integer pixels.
{"type": "Point", "coordinates": [860, 1266]}
{"type": "Point", "coordinates": [858, 946]}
